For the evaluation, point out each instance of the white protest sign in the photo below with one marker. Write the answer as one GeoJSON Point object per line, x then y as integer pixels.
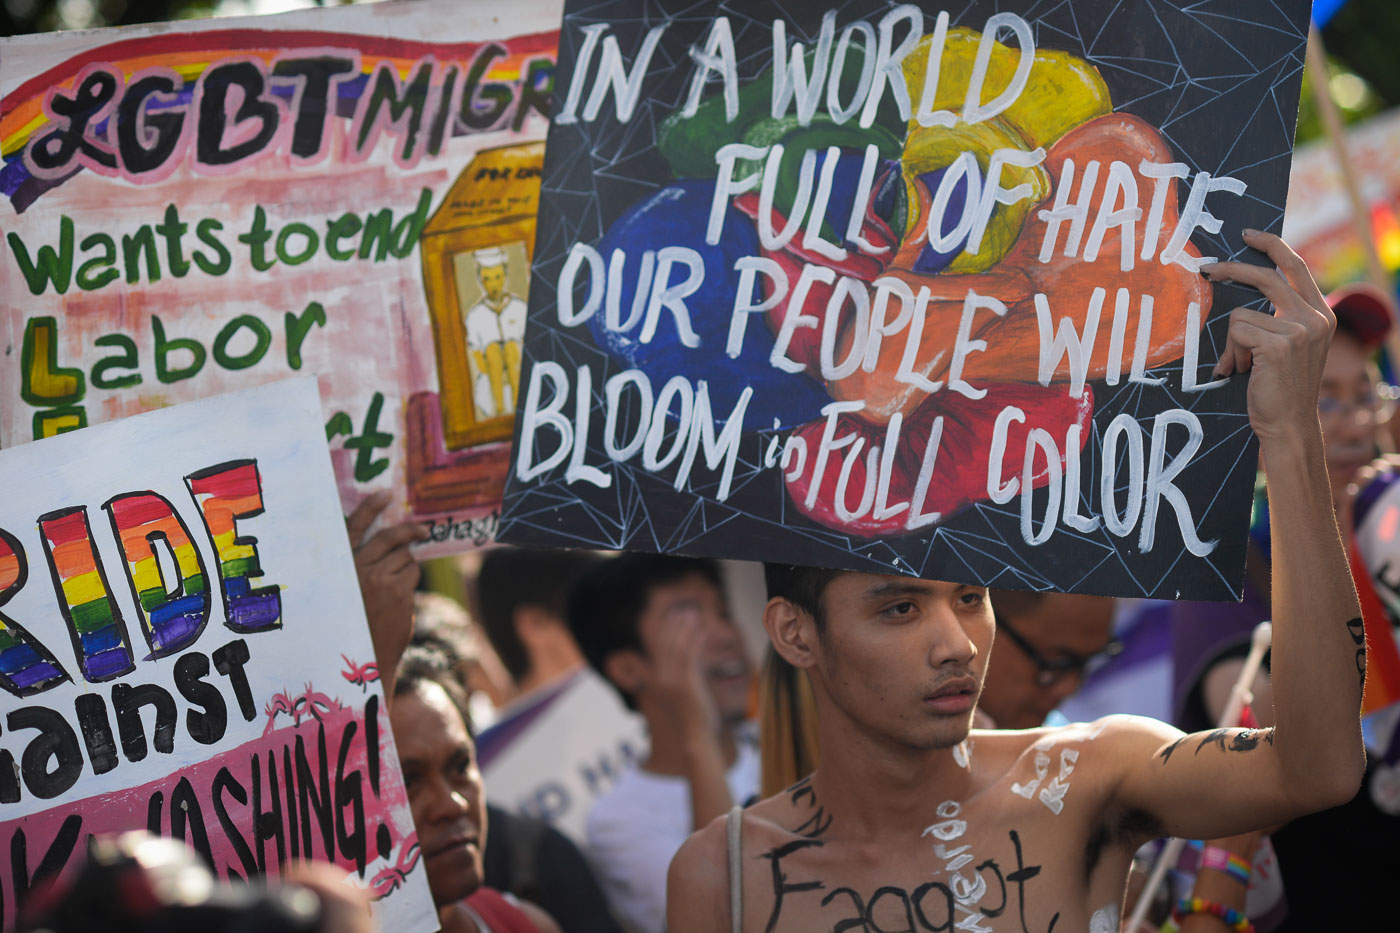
{"type": "Point", "coordinates": [183, 648]}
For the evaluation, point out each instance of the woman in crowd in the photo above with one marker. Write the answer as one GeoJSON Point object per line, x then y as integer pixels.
{"type": "Point", "coordinates": [445, 792]}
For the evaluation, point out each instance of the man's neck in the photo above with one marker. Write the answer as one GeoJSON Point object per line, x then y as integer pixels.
{"type": "Point", "coordinates": [880, 785]}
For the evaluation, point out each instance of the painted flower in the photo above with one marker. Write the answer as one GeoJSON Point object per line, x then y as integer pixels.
{"type": "Point", "coordinates": [922, 241]}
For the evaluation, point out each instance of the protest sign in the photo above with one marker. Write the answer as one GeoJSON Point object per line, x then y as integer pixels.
{"type": "Point", "coordinates": [198, 207]}
{"type": "Point", "coordinates": [904, 289]}
{"type": "Point", "coordinates": [183, 648]}
{"type": "Point", "coordinates": [552, 754]}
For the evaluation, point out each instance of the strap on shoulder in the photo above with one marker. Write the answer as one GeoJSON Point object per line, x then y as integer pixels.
{"type": "Point", "coordinates": [733, 826]}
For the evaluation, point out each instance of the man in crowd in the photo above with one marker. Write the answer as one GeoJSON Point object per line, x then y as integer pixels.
{"type": "Point", "coordinates": [912, 820]}
{"type": "Point", "coordinates": [1048, 640]}
{"type": "Point", "coordinates": [495, 327]}
{"type": "Point", "coordinates": [659, 629]}
{"type": "Point", "coordinates": [563, 741]}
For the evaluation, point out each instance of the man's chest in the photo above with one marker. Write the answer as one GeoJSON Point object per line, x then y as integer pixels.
{"type": "Point", "coordinates": [951, 879]}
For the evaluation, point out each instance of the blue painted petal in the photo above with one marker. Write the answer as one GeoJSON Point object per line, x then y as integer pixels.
{"type": "Point", "coordinates": [676, 216]}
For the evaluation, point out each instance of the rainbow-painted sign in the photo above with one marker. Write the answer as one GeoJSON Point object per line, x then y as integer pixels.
{"type": "Point", "coordinates": [195, 209]}
{"type": "Point", "coordinates": [228, 723]}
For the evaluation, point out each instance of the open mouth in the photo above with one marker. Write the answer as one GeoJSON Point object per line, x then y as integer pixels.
{"type": "Point", "coordinates": [729, 670]}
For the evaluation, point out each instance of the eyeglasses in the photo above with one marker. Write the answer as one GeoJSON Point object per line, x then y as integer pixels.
{"type": "Point", "coordinates": [1375, 407]}
{"type": "Point", "coordinates": [1049, 671]}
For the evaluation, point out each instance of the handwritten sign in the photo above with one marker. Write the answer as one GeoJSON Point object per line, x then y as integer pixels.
{"type": "Point", "coordinates": [904, 290]}
{"type": "Point", "coordinates": [200, 207]}
{"type": "Point", "coordinates": [183, 649]}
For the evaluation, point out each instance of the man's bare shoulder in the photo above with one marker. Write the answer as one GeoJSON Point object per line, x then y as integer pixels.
{"type": "Point", "coordinates": [1118, 732]}
{"type": "Point", "coordinates": [698, 881]}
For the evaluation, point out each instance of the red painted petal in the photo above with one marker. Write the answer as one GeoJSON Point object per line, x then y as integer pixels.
{"type": "Point", "coordinates": [960, 467]}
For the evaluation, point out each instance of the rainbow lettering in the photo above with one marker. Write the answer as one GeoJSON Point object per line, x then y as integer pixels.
{"type": "Point", "coordinates": [171, 617]}
{"type": "Point", "coordinates": [226, 493]}
{"type": "Point", "coordinates": [26, 667]}
{"type": "Point", "coordinates": [94, 621]}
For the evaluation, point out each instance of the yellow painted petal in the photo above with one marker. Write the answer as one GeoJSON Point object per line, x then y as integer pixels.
{"type": "Point", "coordinates": [1062, 91]}
{"type": "Point", "coordinates": [931, 148]}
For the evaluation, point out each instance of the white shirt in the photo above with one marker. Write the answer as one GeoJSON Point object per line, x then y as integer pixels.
{"type": "Point", "coordinates": [485, 326]}
{"type": "Point", "coordinates": [635, 829]}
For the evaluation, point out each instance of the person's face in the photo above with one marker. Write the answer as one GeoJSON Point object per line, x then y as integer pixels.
{"type": "Point", "coordinates": [493, 281]}
{"type": "Point", "coordinates": [904, 658]}
{"type": "Point", "coordinates": [444, 790]}
{"type": "Point", "coordinates": [1346, 409]}
{"type": "Point", "coordinates": [723, 663]}
{"type": "Point", "coordinates": [1057, 627]}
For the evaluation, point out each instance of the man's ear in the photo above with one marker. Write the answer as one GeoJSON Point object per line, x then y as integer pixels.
{"type": "Point", "coordinates": [626, 669]}
{"type": "Point", "coordinates": [792, 631]}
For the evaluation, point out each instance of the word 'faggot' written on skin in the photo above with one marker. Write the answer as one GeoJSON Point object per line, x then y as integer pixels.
{"type": "Point", "coordinates": [867, 321]}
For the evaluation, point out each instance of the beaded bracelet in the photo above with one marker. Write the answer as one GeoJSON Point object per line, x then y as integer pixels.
{"type": "Point", "coordinates": [1226, 861]}
{"type": "Point", "coordinates": [1195, 905]}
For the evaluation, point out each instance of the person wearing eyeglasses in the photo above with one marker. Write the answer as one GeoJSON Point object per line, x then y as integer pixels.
{"type": "Point", "coordinates": [1052, 640]}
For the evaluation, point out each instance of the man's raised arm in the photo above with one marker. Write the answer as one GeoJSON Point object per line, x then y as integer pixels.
{"type": "Point", "coordinates": [1319, 650]}
{"type": "Point", "coordinates": [1226, 782]}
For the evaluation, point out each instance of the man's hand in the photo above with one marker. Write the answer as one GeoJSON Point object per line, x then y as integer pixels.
{"type": "Point", "coordinates": [1286, 350]}
{"type": "Point", "coordinates": [686, 708]}
{"type": "Point", "coordinates": [679, 676]}
{"type": "Point", "coordinates": [388, 575]}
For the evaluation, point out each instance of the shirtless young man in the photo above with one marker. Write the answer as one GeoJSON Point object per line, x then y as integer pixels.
{"type": "Point", "coordinates": [914, 823]}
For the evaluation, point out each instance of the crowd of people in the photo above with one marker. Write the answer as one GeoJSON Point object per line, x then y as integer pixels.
{"type": "Point", "coordinates": [883, 768]}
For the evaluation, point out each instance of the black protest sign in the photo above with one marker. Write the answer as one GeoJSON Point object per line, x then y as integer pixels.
{"type": "Point", "coordinates": [903, 289]}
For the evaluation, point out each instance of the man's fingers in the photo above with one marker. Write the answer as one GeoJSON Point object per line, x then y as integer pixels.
{"type": "Point", "coordinates": [1290, 265]}
{"type": "Point", "coordinates": [387, 539]}
{"type": "Point", "coordinates": [1273, 286]}
{"type": "Point", "coordinates": [407, 576]}
{"type": "Point", "coordinates": [395, 560]}
{"type": "Point", "coordinates": [364, 515]}
{"type": "Point", "coordinates": [1248, 330]}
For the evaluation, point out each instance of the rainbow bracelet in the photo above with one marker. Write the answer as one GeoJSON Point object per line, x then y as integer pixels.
{"type": "Point", "coordinates": [1195, 905]}
{"type": "Point", "coordinates": [1228, 862]}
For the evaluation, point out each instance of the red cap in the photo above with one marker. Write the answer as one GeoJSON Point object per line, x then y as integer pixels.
{"type": "Point", "coordinates": [1363, 311]}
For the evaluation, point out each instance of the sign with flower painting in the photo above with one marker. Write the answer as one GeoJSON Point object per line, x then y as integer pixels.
{"type": "Point", "coordinates": [904, 289]}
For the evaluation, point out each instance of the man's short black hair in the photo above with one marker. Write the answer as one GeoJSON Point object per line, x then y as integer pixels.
{"type": "Point", "coordinates": [426, 664]}
{"type": "Point", "coordinates": [606, 606]}
{"type": "Point", "coordinates": [801, 586]}
{"type": "Point", "coordinates": [513, 577]}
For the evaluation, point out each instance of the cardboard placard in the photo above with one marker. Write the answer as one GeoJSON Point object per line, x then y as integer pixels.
{"type": "Point", "coordinates": [198, 207]}
{"type": "Point", "coordinates": [183, 648]}
{"type": "Point", "coordinates": [904, 290]}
